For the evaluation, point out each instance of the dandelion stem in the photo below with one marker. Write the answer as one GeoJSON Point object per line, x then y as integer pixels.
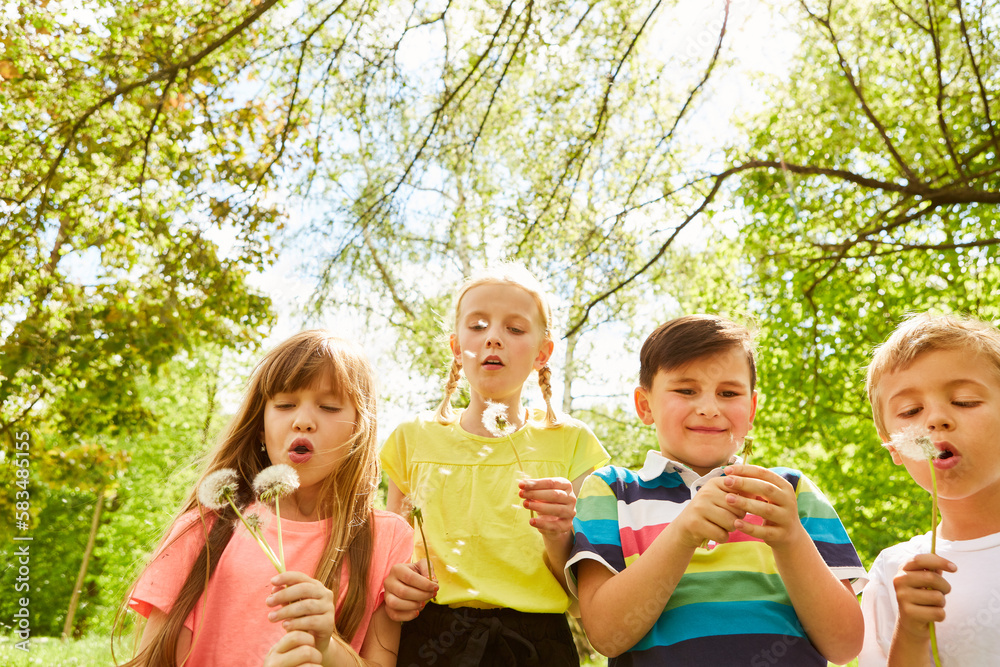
{"type": "Point", "coordinates": [263, 545]}
{"type": "Point", "coordinates": [281, 547]}
{"type": "Point", "coordinates": [934, 521]}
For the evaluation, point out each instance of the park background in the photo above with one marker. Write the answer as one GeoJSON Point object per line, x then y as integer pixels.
{"type": "Point", "coordinates": [184, 183]}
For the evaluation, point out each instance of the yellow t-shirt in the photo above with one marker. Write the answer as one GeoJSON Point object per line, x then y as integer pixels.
{"type": "Point", "coordinates": [484, 551]}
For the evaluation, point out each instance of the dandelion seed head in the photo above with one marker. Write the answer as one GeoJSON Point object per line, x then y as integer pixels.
{"type": "Point", "coordinates": [253, 521]}
{"type": "Point", "coordinates": [495, 420]}
{"type": "Point", "coordinates": [275, 481]}
{"type": "Point", "coordinates": [913, 443]}
{"type": "Point", "coordinates": [217, 488]}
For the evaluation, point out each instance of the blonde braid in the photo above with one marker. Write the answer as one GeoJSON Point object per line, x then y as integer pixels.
{"type": "Point", "coordinates": [545, 382]}
{"type": "Point", "coordinates": [444, 413]}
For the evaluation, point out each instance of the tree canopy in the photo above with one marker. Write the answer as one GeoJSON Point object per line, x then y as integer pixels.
{"type": "Point", "coordinates": [157, 154]}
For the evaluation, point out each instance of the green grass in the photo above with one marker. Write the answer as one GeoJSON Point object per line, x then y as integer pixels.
{"type": "Point", "coordinates": [96, 652]}
{"type": "Point", "coordinates": [92, 651]}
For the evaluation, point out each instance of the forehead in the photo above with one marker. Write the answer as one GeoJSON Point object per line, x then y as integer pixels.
{"type": "Point", "coordinates": [729, 366]}
{"type": "Point", "coordinates": [940, 369]}
{"type": "Point", "coordinates": [499, 299]}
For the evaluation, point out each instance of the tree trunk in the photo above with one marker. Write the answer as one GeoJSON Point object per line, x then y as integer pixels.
{"type": "Point", "coordinates": [569, 374]}
{"type": "Point", "coordinates": [78, 586]}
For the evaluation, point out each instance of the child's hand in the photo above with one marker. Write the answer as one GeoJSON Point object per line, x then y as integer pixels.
{"type": "Point", "coordinates": [759, 491]}
{"type": "Point", "coordinates": [295, 649]}
{"type": "Point", "coordinates": [707, 517]}
{"type": "Point", "coordinates": [554, 501]}
{"type": "Point", "coordinates": [303, 603]}
{"type": "Point", "coordinates": [407, 589]}
{"type": "Point", "coordinates": [920, 593]}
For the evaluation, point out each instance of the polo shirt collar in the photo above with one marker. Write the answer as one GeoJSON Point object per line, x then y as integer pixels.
{"type": "Point", "coordinates": [656, 464]}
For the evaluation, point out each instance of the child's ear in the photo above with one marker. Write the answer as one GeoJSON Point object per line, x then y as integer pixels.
{"type": "Point", "coordinates": [544, 353]}
{"type": "Point", "coordinates": [456, 350]}
{"type": "Point", "coordinates": [642, 406]}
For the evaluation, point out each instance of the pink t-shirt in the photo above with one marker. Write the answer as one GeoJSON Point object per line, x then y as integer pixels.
{"type": "Point", "coordinates": [229, 623]}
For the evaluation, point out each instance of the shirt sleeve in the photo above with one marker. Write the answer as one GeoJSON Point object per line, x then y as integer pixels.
{"type": "Point", "coordinates": [394, 459]}
{"type": "Point", "coordinates": [397, 536]}
{"type": "Point", "coordinates": [161, 582]}
{"type": "Point", "coordinates": [589, 453]}
{"type": "Point", "coordinates": [823, 525]}
{"type": "Point", "coordinates": [878, 606]}
{"type": "Point", "coordinates": [595, 528]}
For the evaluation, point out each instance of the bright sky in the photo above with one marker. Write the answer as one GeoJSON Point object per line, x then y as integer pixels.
{"type": "Point", "coordinates": [758, 40]}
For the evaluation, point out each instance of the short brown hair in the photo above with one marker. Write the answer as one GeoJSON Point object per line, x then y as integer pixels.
{"type": "Point", "coordinates": [691, 337]}
{"type": "Point", "coordinates": [927, 333]}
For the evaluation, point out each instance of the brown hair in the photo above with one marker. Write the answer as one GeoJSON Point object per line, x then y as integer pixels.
{"type": "Point", "coordinates": [347, 495]}
{"type": "Point", "coordinates": [927, 333]}
{"type": "Point", "coordinates": [504, 274]}
{"type": "Point", "coordinates": [692, 337]}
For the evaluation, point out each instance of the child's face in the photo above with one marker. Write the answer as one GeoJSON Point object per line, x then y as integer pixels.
{"type": "Point", "coordinates": [702, 410]}
{"type": "Point", "coordinates": [956, 397]}
{"type": "Point", "coordinates": [309, 429]}
{"type": "Point", "coordinates": [499, 340]}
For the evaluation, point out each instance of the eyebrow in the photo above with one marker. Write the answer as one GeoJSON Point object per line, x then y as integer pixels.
{"type": "Point", "coordinates": [728, 383]}
{"type": "Point", "coordinates": [953, 384]}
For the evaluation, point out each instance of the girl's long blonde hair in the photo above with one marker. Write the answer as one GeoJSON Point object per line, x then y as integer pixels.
{"type": "Point", "coordinates": [347, 495]}
{"type": "Point", "coordinates": [504, 274]}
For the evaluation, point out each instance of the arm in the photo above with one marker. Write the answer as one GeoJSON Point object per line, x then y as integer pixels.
{"type": "Point", "coordinates": [554, 499]}
{"type": "Point", "coordinates": [408, 586]}
{"type": "Point", "coordinates": [619, 609]}
{"type": "Point", "coordinates": [920, 593]}
{"type": "Point", "coordinates": [826, 606]}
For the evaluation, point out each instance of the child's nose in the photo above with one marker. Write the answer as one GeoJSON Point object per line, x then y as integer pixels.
{"type": "Point", "coordinates": [493, 339]}
{"type": "Point", "coordinates": [708, 406]}
{"type": "Point", "coordinates": [304, 420]}
{"type": "Point", "coordinates": [938, 420]}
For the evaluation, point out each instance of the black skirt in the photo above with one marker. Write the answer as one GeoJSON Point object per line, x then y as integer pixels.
{"type": "Point", "coordinates": [467, 637]}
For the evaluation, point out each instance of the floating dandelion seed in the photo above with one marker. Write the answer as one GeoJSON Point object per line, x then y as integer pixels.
{"type": "Point", "coordinates": [274, 483]}
{"type": "Point", "coordinates": [914, 443]}
{"type": "Point", "coordinates": [218, 490]}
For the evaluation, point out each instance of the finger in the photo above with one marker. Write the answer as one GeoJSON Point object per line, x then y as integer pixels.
{"type": "Point", "coordinates": [921, 580]}
{"type": "Point", "coordinates": [546, 483]}
{"type": "Point", "coordinates": [932, 562]}
{"type": "Point", "coordinates": [412, 576]}
{"type": "Point", "coordinates": [303, 591]}
{"type": "Point", "coordinates": [400, 610]}
{"type": "Point", "coordinates": [552, 496]}
{"type": "Point", "coordinates": [300, 608]}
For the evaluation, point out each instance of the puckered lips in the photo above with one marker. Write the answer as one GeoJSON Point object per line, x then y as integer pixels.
{"type": "Point", "coordinates": [300, 451]}
{"type": "Point", "coordinates": [492, 362]}
{"type": "Point", "coordinates": [947, 457]}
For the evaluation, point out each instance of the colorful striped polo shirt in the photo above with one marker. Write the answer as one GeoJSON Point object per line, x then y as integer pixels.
{"type": "Point", "coordinates": [731, 606]}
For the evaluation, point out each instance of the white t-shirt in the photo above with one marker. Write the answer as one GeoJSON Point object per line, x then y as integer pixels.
{"type": "Point", "coordinates": [970, 634]}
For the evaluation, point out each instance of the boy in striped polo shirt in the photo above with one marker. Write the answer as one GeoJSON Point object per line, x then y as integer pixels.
{"type": "Point", "coordinates": [697, 559]}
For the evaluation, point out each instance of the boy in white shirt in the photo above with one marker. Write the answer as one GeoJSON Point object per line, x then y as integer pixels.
{"type": "Point", "coordinates": [941, 377]}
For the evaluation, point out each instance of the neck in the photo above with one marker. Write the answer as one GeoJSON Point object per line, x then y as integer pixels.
{"type": "Point", "coordinates": [300, 506]}
{"type": "Point", "coordinates": [472, 417]}
{"type": "Point", "coordinates": [970, 518]}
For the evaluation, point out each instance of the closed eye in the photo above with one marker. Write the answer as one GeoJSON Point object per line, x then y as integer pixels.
{"type": "Point", "coordinates": [332, 408]}
{"type": "Point", "coordinates": [911, 412]}
{"type": "Point", "coordinates": [967, 404]}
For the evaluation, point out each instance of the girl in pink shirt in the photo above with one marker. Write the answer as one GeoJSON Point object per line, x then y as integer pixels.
{"type": "Point", "coordinates": [210, 595]}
